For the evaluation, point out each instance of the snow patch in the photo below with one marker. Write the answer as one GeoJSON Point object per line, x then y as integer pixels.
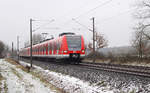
{"type": "Point", "coordinates": [24, 84]}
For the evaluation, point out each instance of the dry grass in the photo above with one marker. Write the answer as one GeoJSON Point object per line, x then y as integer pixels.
{"type": "Point", "coordinates": [97, 60]}
{"type": "Point", "coordinates": [16, 73]}
{"type": "Point", "coordinates": [133, 63]}
{"type": "Point", "coordinates": [4, 87]}
{"type": "Point", "coordinates": [16, 64]}
{"type": "Point", "coordinates": [1, 78]}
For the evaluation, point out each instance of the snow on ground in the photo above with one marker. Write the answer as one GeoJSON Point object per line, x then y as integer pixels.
{"type": "Point", "coordinates": [67, 83]}
{"type": "Point", "coordinates": [16, 80]}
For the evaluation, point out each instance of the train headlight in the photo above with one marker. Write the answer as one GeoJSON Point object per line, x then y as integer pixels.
{"type": "Point", "coordinates": [83, 51]}
{"type": "Point", "coordinates": [65, 51]}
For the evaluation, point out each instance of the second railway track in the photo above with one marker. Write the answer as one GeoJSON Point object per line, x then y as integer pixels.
{"type": "Point", "coordinates": [133, 70]}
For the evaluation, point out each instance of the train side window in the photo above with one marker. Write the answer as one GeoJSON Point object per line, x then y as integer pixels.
{"type": "Point", "coordinates": [55, 45]}
{"type": "Point", "coordinates": [58, 45]}
{"type": "Point", "coordinates": [36, 50]}
{"type": "Point", "coordinates": [45, 48]}
{"type": "Point", "coordinates": [41, 48]}
{"type": "Point", "coordinates": [50, 46]}
{"type": "Point", "coordinates": [32, 50]}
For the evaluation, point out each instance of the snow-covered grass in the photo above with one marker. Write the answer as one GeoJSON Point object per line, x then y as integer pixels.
{"type": "Point", "coordinates": [3, 86]}
{"type": "Point", "coordinates": [15, 80]}
{"type": "Point", "coordinates": [64, 79]}
{"type": "Point", "coordinates": [38, 79]}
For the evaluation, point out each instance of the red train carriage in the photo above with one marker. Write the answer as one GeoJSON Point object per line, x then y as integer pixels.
{"type": "Point", "coordinates": [68, 47]}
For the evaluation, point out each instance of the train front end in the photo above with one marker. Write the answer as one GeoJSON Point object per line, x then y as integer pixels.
{"type": "Point", "coordinates": [75, 48]}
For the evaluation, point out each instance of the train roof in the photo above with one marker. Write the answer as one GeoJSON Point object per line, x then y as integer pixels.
{"type": "Point", "coordinates": [62, 35]}
{"type": "Point", "coordinates": [66, 33]}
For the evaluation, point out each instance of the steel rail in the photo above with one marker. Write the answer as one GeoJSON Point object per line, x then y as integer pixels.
{"type": "Point", "coordinates": [118, 69]}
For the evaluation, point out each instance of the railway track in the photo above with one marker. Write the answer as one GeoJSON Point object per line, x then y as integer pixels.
{"type": "Point", "coordinates": [133, 70]}
{"type": "Point", "coordinates": [125, 69]}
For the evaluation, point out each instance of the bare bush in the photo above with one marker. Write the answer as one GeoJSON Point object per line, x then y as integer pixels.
{"type": "Point", "coordinates": [97, 55]}
{"type": "Point", "coordinates": [141, 43]}
{"type": "Point", "coordinates": [142, 33]}
{"type": "Point", "coordinates": [37, 38]}
{"type": "Point", "coordinates": [100, 41]}
{"type": "Point", "coordinates": [2, 48]}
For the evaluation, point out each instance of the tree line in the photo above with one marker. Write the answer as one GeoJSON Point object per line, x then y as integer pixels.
{"type": "Point", "coordinates": [4, 49]}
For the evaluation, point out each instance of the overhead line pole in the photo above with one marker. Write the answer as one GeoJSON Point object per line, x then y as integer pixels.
{"type": "Point", "coordinates": [12, 49]}
{"type": "Point", "coordinates": [93, 39]}
{"type": "Point", "coordinates": [93, 30]}
{"type": "Point", "coordinates": [31, 42]}
{"type": "Point", "coordinates": [31, 30]}
{"type": "Point", "coordinates": [18, 47]}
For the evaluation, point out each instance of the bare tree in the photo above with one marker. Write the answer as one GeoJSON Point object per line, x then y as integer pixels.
{"type": "Point", "coordinates": [143, 9]}
{"type": "Point", "coordinates": [100, 41]}
{"type": "Point", "coordinates": [140, 43]}
{"type": "Point", "coordinates": [37, 38]}
{"type": "Point", "coordinates": [142, 13]}
{"type": "Point", "coordinates": [141, 38]}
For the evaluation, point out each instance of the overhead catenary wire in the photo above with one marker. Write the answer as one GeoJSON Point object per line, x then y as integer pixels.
{"type": "Point", "coordinates": [98, 6]}
{"type": "Point", "coordinates": [103, 20]}
{"type": "Point", "coordinates": [49, 21]}
{"type": "Point", "coordinates": [121, 13]}
{"type": "Point", "coordinates": [107, 2]}
{"type": "Point", "coordinates": [81, 24]}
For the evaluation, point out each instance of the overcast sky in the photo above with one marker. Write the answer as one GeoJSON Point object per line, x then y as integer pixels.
{"type": "Point", "coordinates": [113, 19]}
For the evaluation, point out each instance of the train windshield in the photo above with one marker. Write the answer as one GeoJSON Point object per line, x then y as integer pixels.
{"type": "Point", "coordinates": [74, 42]}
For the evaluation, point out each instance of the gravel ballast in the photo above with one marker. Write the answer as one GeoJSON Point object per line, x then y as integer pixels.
{"type": "Point", "coordinates": [118, 82]}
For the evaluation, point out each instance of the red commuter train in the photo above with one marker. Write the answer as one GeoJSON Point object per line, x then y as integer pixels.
{"type": "Point", "coordinates": [68, 47]}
